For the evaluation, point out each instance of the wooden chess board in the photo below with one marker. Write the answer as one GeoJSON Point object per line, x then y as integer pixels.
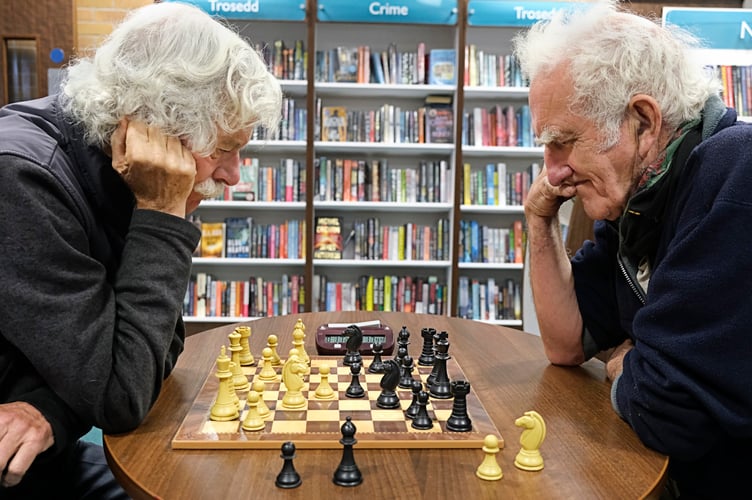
{"type": "Point", "coordinates": [318, 424]}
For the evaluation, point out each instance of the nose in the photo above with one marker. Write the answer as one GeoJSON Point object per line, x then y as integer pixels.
{"type": "Point", "coordinates": [557, 166]}
{"type": "Point", "coordinates": [228, 169]}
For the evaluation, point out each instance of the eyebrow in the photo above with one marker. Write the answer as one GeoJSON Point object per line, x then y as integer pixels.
{"type": "Point", "coordinates": [550, 135]}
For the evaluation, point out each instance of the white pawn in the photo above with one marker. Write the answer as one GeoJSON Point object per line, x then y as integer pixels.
{"type": "Point", "coordinates": [263, 409]}
{"type": "Point", "coordinates": [267, 373]}
{"type": "Point", "coordinates": [253, 421]}
{"type": "Point", "coordinates": [489, 469]}
{"type": "Point", "coordinates": [272, 341]}
{"type": "Point", "coordinates": [324, 390]}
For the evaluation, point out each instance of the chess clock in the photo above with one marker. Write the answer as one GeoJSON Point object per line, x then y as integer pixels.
{"type": "Point", "coordinates": [331, 341]}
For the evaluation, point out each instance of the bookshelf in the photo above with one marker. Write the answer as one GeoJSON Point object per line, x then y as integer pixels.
{"type": "Point", "coordinates": [421, 188]}
{"type": "Point", "coordinates": [726, 35]}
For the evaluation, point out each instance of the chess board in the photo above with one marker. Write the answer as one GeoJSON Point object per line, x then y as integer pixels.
{"type": "Point", "coordinates": [317, 426]}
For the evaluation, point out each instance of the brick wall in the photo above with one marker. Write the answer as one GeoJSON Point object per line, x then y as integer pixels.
{"type": "Point", "coordinates": [96, 18]}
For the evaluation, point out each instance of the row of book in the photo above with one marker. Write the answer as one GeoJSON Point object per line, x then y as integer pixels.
{"type": "Point", "coordinates": [483, 69]}
{"type": "Point", "coordinates": [488, 300]}
{"type": "Point", "coordinates": [495, 245]}
{"type": "Point", "coordinates": [498, 126]}
{"type": "Point", "coordinates": [241, 237]}
{"type": "Point", "coordinates": [285, 181]}
{"type": "Point", "coordinates": [207, 296]}
{"type": "Point", "coordinates": [417, 294]}
{"type": "Point", "coordinates": [362, 64]}
{"type": "Point", "coordinates": [495, 186]}
{"type": "Point", "coordinates": [345, 179]}
{"type": "Point", "coordinates": [737, 87]}
{"type": "Point", "coordinates": [389, 124]}
{"type": "Point", "coordinates": [372, 240]}
{"type": "Point", "coordinates": [284, 61]}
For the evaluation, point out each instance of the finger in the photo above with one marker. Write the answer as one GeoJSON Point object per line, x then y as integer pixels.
{"type": "Point", "coordinates": [18, 466]}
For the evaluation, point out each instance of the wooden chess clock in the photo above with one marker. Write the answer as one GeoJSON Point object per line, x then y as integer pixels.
{"type": "Point", "coordinates": [331, 341]}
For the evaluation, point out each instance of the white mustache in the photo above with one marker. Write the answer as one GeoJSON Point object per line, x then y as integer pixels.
{"type": "Point", "coordinates": [209, 188]}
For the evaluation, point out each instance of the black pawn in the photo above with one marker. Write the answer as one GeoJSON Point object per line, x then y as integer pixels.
{"type": "Point", "coordinates": [347, 473]}
{"type": "Point", "coordinates": [288, 477]}
{"type": "Point", "coordinates": [377, 365]}
{"type": "Point", "coordinates": [355, 390]}
{"type": "Point", "coordinates": [406, 379]}
{"type": "Point", "coordinates": [459, 420]}
{"type": "Point", "coordinates": [421, 420]}
{"type": "Point", "coordinates": [426, 355]}
{"type": "Point", "coordinates": [412, 410]}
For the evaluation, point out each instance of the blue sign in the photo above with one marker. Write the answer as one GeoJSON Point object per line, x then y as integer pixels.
{"type": "Point", "coordinates": [510, 13]}
{"type": "Point", "coordinates": [389, 11]}
{"type": "Point", "coordinates": [264, 10]}
{"type": "Point", "coordinates": [717, 28]}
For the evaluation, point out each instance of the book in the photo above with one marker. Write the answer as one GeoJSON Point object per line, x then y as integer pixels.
{"type": "Point", "coordinates": [246, 188]}
{"type": "Point", "coordinates": [334, 123]}
{"type": "Point", "coordinates": [347, 65]}
{"type": "Point", "coordinates": [238, 236]}
{"type": "Point", "coordinates": [212, 239]}
{"type": "Point", "coordinates": [327, 243]}
{"type": "Point", "coordinates": [442, 67]}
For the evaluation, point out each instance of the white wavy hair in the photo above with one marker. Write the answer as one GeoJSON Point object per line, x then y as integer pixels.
{"type": "Point", "coordinates": [173, 66]}
{"type": "Point", "coordinates": [613, 55]}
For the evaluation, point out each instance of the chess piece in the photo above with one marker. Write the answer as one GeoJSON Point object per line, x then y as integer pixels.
{"type": "Point", "coordinates": [459, 420]}
{"type": "Point", "coordinates": [422, 420]}
{"type": "Point", "coordinates": [263, 409]}
{"type": "Point", "coordinates": [355, 390]}
{"type": "Point", "coordinates": [377, 365]}
{"type": "Point", "coordinates": [292, 377]}
{"type": "Point", "coordinates": [354, 340]}
{"type": "Point", "coordinates": [489, 469]}
{"type": "Point", "coordinates": [412, 410]}
{"type": "Point", "coordinates": [426, 354]}
{"type": "Point", "coordinates": [529, 456]}
{"type": "Point", "coordinates": [267, 373]}
{"type": "Point", "coordinates": [271, 342]}
{"type": "Point", "coordinates": [246, 356]}
{"type": "Point", "coordinates": [435, 369]}
{"type": "Point", "coordinates": [388, 399]}
{"type": "Point", "coordinates": [401, 353]}
{"type": "Point", "coordinates": [324, 390]}
{"type": "Point", "coordinates": [224, 407]}
{"type": "Point", "coordinates": [403, 338]}
{"type": "Point", "coordinates": [288, 477]}
{"type": "Point", "coordinates": [239, 380]}
{"type": "Point", "coordinates": [298, 342]}
{"type": "Point", "coordinates": [252, 420]}
{"type": "Point", "coordinates": [406, 372]}
{"type": "Point", "coordinates": [347, 473]}
{"type": "Point", "coordinates": [440, 387]}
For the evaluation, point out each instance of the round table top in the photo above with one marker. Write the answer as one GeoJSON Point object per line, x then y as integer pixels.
{"type": "Point", "coordinates": [588, 451]}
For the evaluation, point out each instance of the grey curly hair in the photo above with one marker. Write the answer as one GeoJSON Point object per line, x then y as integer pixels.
{"type": "Point", "coordinates": [173, 66]}
{"type": "Point", "coordinates": [611, 57]}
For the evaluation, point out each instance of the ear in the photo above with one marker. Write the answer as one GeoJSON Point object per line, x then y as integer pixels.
{"type": "Point", "coordinates": [644, 112]}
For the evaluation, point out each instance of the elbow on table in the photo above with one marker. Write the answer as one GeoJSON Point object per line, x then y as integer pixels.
{"type": "Point", "coordinates": [564, 357]}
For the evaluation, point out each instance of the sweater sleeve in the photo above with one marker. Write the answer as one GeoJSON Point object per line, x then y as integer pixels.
{"type": "Point", "coordinates": [102, 343]}
{"type": "Point", "coordinates": [685, 385]}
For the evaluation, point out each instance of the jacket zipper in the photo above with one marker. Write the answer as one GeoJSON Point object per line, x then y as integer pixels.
{"type": "Point", "coordinates": [630, 281]}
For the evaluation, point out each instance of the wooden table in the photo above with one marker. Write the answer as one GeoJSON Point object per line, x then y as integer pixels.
{"type": "Point", "coordinates": [589, 452]}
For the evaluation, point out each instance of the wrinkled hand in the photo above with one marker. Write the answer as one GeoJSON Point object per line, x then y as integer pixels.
{"type": "Point", "coordinates": [543, 199]}
{"type": "Point", "coordinates": [24, 434]}
{"type": "Point", "coordinates": [159, 169]}
{"type": "Point", "coordinates": [616, 360]}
